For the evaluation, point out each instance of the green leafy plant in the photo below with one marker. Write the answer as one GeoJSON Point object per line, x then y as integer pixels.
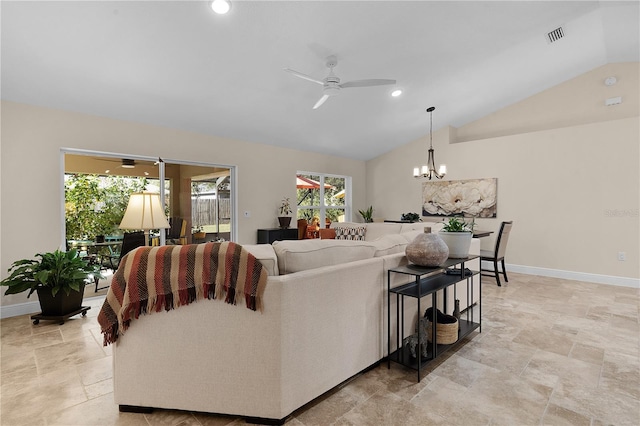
{"type": "Point", "coordinates": [367, 214]}
{"type": "Point", "coordinates": [95, 205]}
{"type": "Point", "coordinates": [413, 217]}
{"type": "Point", "coordinates": [455, 224]}
{"type": "Point", "coordinates": [285, 207]}
{"type": "Point", "coordinates": [305, 214]}
{"type": "Point", "coordinates": [59, 270]}
{"type": "Point", "coordinates": [333, 214]}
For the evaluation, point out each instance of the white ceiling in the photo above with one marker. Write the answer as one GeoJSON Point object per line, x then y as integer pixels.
{"type": "Point", "coordinates": [179, 65]}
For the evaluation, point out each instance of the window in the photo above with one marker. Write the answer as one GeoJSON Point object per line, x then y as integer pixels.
{"type": "Point", "coordinates": [323, 198]}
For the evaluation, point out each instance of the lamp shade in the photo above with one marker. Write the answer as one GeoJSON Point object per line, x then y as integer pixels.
{"type": "Point", "coordinates": [145, 212]}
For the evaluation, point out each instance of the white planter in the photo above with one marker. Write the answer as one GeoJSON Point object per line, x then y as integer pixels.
{"type": "Point", "coordinates": [458, 243]}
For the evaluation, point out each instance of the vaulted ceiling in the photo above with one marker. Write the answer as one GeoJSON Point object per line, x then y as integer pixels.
{"type": "Point", "coordinates": [179, 65]}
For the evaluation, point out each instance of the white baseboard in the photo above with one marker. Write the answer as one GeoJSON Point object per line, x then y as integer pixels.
{"type": "Point", "coordinates": [571, 275]}
{"type": "Point", "coordinates": [19, 309]}
{"type": "Point", "coordinates": [28, 308]}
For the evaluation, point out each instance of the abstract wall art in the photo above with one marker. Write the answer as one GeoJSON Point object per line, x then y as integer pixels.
{"type": "Point", "coordinates": [469, 198]}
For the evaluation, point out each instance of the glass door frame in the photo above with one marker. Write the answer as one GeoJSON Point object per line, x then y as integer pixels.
{"type": "Point", "coordinates": [161, 177]}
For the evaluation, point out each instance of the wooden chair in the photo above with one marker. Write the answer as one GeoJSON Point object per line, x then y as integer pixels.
{"type": "Point", "coordinates": [177, 233]}
{"type": "Point", "coordinates": [327, 234]}
{"type": "Point", "coordinates": [497, 254]}
{"type": "Point", "coordinates": [302, 228]}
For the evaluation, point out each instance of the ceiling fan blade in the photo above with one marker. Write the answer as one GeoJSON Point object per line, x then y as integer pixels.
{"type": "Point", "coordinates": [304, 76]}
{"type": "Point", "coordinates": [321, 101]}
{"type": "Point", "coordinates": [367, 83]}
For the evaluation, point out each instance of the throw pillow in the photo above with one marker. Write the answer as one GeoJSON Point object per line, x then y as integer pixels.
{"type": "Point", "coordinates": [348, 233]}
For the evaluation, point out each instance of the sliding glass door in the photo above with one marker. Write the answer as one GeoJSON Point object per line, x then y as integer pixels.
{"type": "Point", "coordinates": [97, 186]}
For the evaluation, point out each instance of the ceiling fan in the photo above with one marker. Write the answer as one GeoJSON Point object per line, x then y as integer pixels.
{"type": "Point", "coordinates": [331, 84]}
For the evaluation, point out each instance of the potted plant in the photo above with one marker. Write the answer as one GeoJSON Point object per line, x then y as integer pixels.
{"type": "Point", "coordinates": [285, 211]}
{"type": "Point", "coordinates": [198, 233]}
{"type": "Point", "coordinates": [457, 234]}
{"type": "Point", "coordinates": [58, 277]}
{"type": "Point", "coordinates": [411, 217]}
{"type": "Point", "coordinates": [367, 214]}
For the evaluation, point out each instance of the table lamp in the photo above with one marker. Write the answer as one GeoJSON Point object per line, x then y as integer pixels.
{"type": "Point", "coordinates": [145, 212]}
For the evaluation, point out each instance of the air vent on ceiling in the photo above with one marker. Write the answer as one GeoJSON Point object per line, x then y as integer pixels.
{"type": "Point", "coordinates": [555, 35]}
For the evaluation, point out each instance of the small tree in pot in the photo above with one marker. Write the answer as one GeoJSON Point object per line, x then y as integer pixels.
{"type": "Point", "coordinates": [285, 210]}
{"type": "Point", "coordinates": [58, 277]}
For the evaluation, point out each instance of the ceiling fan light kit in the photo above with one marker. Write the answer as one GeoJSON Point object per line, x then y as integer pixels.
{"type": "Point", "coordinates": [128, 164]}
{"type": "Point", "coordinates": [331, 85]}
{"type": "Point", "coordinates": [429, 170]}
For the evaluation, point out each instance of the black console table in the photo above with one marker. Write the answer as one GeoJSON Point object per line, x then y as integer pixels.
{"type": "Point", "coordinates": [427, 281]}
{"type": "Point", "coordinates": [268, 236]}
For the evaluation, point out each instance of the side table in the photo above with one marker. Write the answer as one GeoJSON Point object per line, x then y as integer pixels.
{"type": "Point", "coordinates": [427, 281]}
{"type": "Point", "coordinates": [268, 236]}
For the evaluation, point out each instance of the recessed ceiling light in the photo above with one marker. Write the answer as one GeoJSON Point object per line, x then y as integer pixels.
{"type": "Point", "coordinates": [220, 6]}
{"type": "Point", "coordinates": [396, 93]}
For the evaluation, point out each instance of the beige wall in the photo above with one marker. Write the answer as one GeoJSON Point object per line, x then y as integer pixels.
{"type": "Point", "coordinates": [571, 187]}
{"type": "Point", "coordinates": [31, 214]}
{"type": "Point", "coordinates": [572, 190]}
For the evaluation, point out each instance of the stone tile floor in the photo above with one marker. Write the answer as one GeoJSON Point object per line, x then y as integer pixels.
{"type": "Point", "coordinates": [551, 352]}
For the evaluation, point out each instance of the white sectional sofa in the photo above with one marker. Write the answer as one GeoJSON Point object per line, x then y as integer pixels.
{"type": "Point", "coordinates": [324, 321]}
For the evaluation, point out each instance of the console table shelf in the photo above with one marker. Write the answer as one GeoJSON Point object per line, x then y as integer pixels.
{"type": "Point", "coordinates": [428, 281]}
{"type": "Point", "coordinates": [403, 355]}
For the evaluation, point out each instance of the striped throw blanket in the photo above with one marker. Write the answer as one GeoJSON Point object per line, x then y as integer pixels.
{"type": "Point", "coordinates": [150, 279]}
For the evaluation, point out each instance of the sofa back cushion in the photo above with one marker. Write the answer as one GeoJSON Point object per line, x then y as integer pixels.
{"type": "Point", "coordinates": [389, 244]}
{"type": "Point", "coordinates": [373, 230]}
{"type": "Point", "coordinates": [265, 255]}
{"type": "Point", "coordinates": [300, 255]}
{"type": "Point", "coordinates": [376, 230]}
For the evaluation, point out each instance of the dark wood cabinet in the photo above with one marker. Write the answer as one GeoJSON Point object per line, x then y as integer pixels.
{"type": "Point", "coordinates": [268, 236]}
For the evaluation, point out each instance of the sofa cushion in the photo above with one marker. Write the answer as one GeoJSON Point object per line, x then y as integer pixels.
{"type": "Point", "coordinates": [374, 230]}
{"type": "Point", "coordinates": [299, 255]}
{"type": "Point", "coordinates": [350, 233]}
{"type": "Point", "coordinates": [389, 244]}
{"type": "Point", "coordinates": [265, 255]}
{"type": "Point", "coordinates": [411, 235]}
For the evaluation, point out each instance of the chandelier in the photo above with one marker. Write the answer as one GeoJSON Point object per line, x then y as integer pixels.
{"type": "Point", "coordinates": [429, 169]}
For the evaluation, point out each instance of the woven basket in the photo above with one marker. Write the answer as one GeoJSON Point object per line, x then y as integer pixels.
{"type": "Point", "coordinates": [446, 334]}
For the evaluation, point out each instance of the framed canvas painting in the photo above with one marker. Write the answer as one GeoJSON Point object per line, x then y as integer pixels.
{"type": "Point", "coordinates": [469, 198]}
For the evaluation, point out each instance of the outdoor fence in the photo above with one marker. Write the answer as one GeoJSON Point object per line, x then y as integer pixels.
{"type": "Point", "coordinates": [204, 211]}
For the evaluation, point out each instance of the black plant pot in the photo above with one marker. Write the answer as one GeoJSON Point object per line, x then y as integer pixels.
{"type": "Point", "coordinates": [61, 304]}
{"type": "Point", "coordinates": [285, 221]}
